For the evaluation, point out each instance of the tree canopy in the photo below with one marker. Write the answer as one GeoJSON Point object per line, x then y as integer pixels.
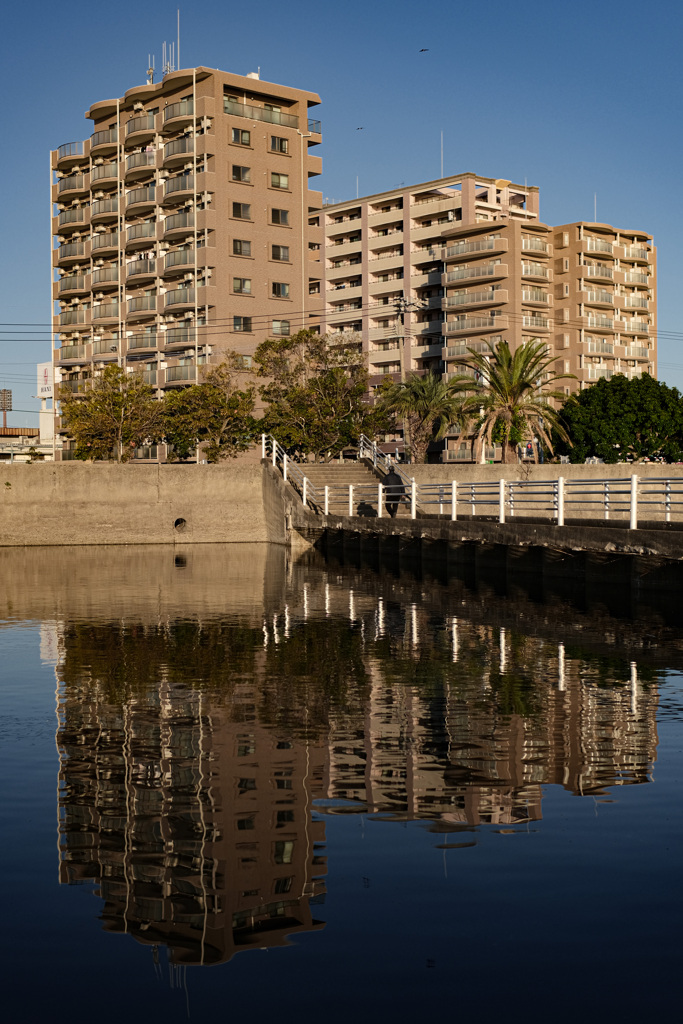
{"type": "Point", "coordinates": [621, 419]}
{"type": "Point", "coordinates": [315, 389]}
{"type": "Point", "coordinates": [427, 405]}
{"type": "Point", "coordinates": [116, 413]}
{"type": "Point", "coordinates": [511, 393]}
{"type": "Point", "coordinates": [216, 414]}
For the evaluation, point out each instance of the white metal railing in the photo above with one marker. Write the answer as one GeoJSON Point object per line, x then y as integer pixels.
{"type": "Point", "coordinates": [629, 497]}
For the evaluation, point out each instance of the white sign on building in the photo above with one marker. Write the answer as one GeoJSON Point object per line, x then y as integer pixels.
{"type": "Point", "coordinates": [45, 382]}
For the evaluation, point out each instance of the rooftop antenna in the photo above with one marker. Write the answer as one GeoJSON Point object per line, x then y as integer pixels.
{"type": "Point", "coordinates": [168, 58]}
{"type": "Point", "coordinates": [150, 69]}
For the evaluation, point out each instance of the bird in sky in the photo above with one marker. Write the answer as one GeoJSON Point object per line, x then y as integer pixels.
{"type": "Point", "coordinates": [425, 49]}
{"type": "Point", "coordinates": [359, 129]}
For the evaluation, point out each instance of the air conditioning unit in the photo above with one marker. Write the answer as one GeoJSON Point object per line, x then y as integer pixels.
{"type": "Point", "coordinates": [138, 106]}
{"type": "Point", "coordinates": [99, 295]}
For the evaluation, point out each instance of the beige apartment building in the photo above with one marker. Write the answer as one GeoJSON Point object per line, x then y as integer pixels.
{"type": "Point", "coordinates": [184, 227]}
{"type": "Point", "coordinates": [424, 274]}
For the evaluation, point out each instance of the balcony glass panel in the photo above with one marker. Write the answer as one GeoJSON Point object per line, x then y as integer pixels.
{"type": "Point", "coordinates": [181, 109]}
{"type": "Point", "coordinates": [535, 244]}
{"type": "Point", "coordinates": [74, 181]}
{"type": "Point", "coordinates": [105, 241]}
{"type": "Point", "coordinates": [180, 184]}
{"type": "Point", "coordinates": [77, 216]}
{"type": "Point", "coordinates": [104, 206]}
{"type": "Point", "coordinates": [180, 295]}
{"type": "Point", "coordinates": [140, 124]}
{"type": "Point", "coordinates": [71, 352]}
{"type": "Point", "coordinates": [71, 316]}
{"type": "Point", "coordinates": [597, 245]}
{"type": "Point", "coordinates": [462, 247]}
{"type": "Point", "coordinates": [136, 341]}
{"type": "Point", "coordinates": [70, 149]}
{"type": "Point", "coordinates": [179, 336]}
{"type": "Point", "coordinates": [259, 113]}
{"type": "Point", "coordinates": [141, 195]}
{"type": "Point", "coordinates": [141, 231]}
{"type": "Point", "coordinates": [71, 249]}
{"type": "Point", "coordinates": [105, 311]}
{"type": "Point", "coordinates": [181, 258]}
{"type": "Point", "coordinates": [140, 160]}
{"type": "Point", "coordinates": [106, 137]}
{"type": "Point", "coordinates": [178, 146]}
{"type": "Point", "coordinates": [600, 321]}
{"type": "Point", "coordinates": [181, 373]}
{"type": "Point", "coordinates": [105, 274]}
{"type": "Point", "coordinates": [535, 321]}
{"type": "Point", "coordinates": [73, 283]}
{"type": "Point", "coordinates": [314, 126]}
{"type": "Point", "coordinates": [179, 220]}
{"type": "Point", "coordinates": [142, 303]}
{"type": "Point", "coordinates": [105, 347]}
{"type": "Point", "coordinates": [109, 170]}
{"type": "Point", "coordinates": [141, 267]}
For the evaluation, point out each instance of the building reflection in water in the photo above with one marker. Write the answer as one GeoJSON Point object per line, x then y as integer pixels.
{"type": "Point", "coordinates": [197, 757]}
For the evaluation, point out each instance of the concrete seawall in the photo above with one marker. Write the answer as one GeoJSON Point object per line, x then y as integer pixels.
{"type": "Point", "coordinates": [85, 503]}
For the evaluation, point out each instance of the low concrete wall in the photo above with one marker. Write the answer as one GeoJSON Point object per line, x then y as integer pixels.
{"type": "Point", "coordinates": [469, 473]}
{"type": "Point", "coordinates": [101, 503]}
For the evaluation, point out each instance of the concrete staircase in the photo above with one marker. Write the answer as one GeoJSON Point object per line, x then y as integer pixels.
{"type": "Point", "coordinates": [337, 477]}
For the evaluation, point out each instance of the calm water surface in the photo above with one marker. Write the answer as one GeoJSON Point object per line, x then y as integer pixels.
{"type": "Point", "coordinates": [239, 786]}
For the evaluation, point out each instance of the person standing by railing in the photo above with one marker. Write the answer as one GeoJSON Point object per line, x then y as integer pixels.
{"type": "Point", "coordinates": [394, 490]}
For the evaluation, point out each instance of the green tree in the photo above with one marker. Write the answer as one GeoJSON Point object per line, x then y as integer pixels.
{"type": "Point", "coordinates": [216, 414]}
{"type": "Point", "coordinates": [510, 396]}
{"type": "Point", "coordinates": [315, 392]}
{"type": "Point", "coordinates": [427, 405]}
{"type": "Point", "coordinates": [621, 419]}
{"type": "Point", "coordinates": [116, 413]}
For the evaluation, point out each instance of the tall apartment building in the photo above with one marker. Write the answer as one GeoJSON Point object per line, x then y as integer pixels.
{"type": "Point", "coordinates": [185, 226]}
{"type": "Point", "coordinates": [427, 273]}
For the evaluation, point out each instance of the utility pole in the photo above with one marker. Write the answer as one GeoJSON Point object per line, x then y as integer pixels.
{"type": "Point", "coordinates": [5, 405]}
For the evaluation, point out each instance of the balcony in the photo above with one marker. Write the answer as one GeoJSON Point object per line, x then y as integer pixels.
{"type": "Point", "coordinates": [466, 349]}
{"type": "Point", "coordinates": [178, 151]}
{"type": "Point", "coordinates": [535, 270]}
{"type": "Point", "coordinates": [72, 284]}
{"type": "Point", "coordinates": [314, 126]}
{"type": "Point", "coordinates": [178, 189]}
{"type": "Point", "coordinates": [141, 198]}
{"type": "Point", "coordinates": [601, 321]}
{"type": "Point", "coordinates": [68, 220]}
{"type": "Point", "coordinates": [104, 210]}
{"type": "Point", "coordinates": [142, 306]}
{"type": "Point", "coordinates": [104, 141]}
{"type": "Point", "coordinates": [76, 387]}
{"type": "Point", "coordinates": [70, 252]}
{"type": "Point", "coordinates": [105, 277]}
{"type": "Point", "coordinates": [536, 321]}
{"type": "Point", "coordinates": [106, 311]}
{"type": "Point", "coordinates": [598, 271]}
{"type": "Point", "coordinates": [532, 244]}
{"type": "Point", "coordinates": [533, 295]}
{"type": "Point", "coordinates": [181, 297]}
{"type": "Point", "coordinates": [177, 336]}
{"type": "Point", "coordinates": [69, 153]}
{"type": "Point", "coordinates": [139, 235]}
{"type": "Point", "coordinates": [636, 327]}
{"type": "Point", "coordinates": [105, 243]}
{"type": "Point", "coordinates": [634, 252]}
{"type": "Point", "coordinates": [259, 113]}
{"type": "Point", "coordinates": [480, 245]}
{"type": "Point", "coordinates": [70, 352]}
{"type": "Point", "coordinates": [599, 373]}
{"type": "Point", "coordinates": [635, 302]}
{"type": "Point", "coordinates": [475, 298]}
{"type": "Point", "coordinates": [72, 317]}
{"type": "Point", "coordinates": [179, 224]}
{"type": "Point", "coordinates": [492, 270]}
{"type": "Point", "coordinates": [597, 245]}
{"type": "Point", "coordinates": [632, 277]}
{"type": "Point", "coordinates": [140, 269]}
{"type": "Point", "coordinates": [106, 349]}
{"type": "Point", "coordinates": [600, 298]}
{"type": "Point", "coordinates": [181, 374]}
{"type": "Point", "coordinates": [176, 262]}
{"type": "Point", "coordinates": [104, 172]}
{"type": "Point", "coordinates": [475, 323]}
{"type": "Point", "coordinates": [74, 183]}
{"type": "Point", "coordinates": [601, 347]}
{"type": "Point", "coordinates": [147, 342]}
{"type": "Point", "coordinates": [636, 352]}
{"type": "Point", "coordinates": [178, 114]}
{"type": "Point", "coordinates": [139, 165]}
{"type": "Point", "coordinates": [140, 128]}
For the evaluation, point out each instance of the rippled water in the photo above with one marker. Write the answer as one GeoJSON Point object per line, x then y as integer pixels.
{"type": "Point", "coordinates": [414, 794]}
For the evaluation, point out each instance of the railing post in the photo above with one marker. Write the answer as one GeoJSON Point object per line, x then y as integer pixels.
{"type": "Point", "coordinates": [263, 446]}
{"type": "Point", "coordinates": [633, 524]}
{"type": "Point", "coordinates": [380, 500]}
{"type": "Point", "coordinates": [413, 498]}
{"type": "Point", "coordinates": [501, 501]}
{"type": "Point", "coordinates": [304, 494]}
{"type": "Point", "coordinates": [667, 501]}
{"type": "Point", "coordinates": [350, 499]}
{"type": "Point", "coordinates": [560, 501]}
{"type": "Point", "coordinates": [327, 500]}
{"type": "Point", "coordinates": [274, 451]}
{"type": "Point", "coordinates": [284, 467]}
{"type": "Point", "coordinates": [606, 498]}
{"type": "Point", "coordinates": [454, 500]}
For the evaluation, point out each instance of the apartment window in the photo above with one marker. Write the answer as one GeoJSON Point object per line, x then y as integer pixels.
{"type": "Point", "coordinates": [241, 323]}
{"type": "Point", "coordinates": [280, 217]}
{"type": "Point", "coordinates": [241, 247]}
{"type": "Point", "coordinates": [278, 180]}
{"type": "Point", "coordinates": [278, 144]}
{"type": "Point", "coordinates": [242, 285]}
{"type": "Point", "coordinates": [241, 173]}
{"type": "Point", "coordinates": [242, 211]}
{"type": "Point", "coordinates": [280, 290]}
{"type": "Point", "coordinates": [240, 137]}
{"type": "Point", "coordinates": [281, 328]}
{"type": "Point", "coordinates": [280, 252]}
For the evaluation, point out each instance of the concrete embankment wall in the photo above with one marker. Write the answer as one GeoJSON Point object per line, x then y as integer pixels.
{"type": "Point", "coordinates": [468, 473]}
{"type": "Point", "coordinates": [85, 503]}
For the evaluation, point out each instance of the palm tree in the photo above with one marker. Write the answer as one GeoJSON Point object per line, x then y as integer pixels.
{"type": "Point", "coordinates": [510, 394]}
{"type": "Point", "coordinates": [428, 406]}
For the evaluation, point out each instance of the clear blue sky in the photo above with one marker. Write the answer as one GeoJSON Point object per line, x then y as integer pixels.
{"type": "Point", "coordinates": [577, 98]}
